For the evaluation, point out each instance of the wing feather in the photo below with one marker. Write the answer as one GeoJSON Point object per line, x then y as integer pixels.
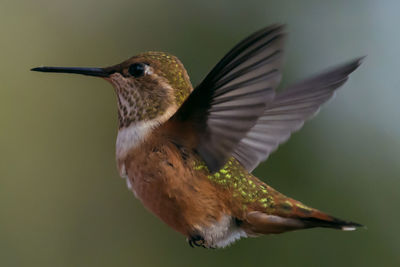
{"type": "Point", "coordinates": [288, 112]}
{"type": "Point", "coordinates": [228, 102]}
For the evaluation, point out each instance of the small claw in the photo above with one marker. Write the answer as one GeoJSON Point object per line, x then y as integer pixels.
{"type": "Point", "coordinates": [197, 241]}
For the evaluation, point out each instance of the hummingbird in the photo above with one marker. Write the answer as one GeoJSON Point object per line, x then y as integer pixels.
{"type": "Point", "coordinates": [187, 152]}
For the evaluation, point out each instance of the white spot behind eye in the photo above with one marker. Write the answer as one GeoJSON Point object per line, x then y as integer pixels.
{"type": "Point", "coordinates": [148, 70]}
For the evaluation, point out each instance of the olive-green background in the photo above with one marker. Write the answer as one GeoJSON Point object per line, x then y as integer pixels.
{"type": "Point", "coordinates": [61, 200]}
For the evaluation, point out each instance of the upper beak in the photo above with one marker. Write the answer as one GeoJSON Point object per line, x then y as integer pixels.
{"type": "Point", "coordinates": [98, 72]}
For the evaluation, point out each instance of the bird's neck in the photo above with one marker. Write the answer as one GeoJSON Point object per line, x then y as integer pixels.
{"type": "Point", "coordinates": [136, 133]}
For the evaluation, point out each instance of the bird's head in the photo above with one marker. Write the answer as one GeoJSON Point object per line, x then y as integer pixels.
{"type": "Point", "coordinates": [149, 87]}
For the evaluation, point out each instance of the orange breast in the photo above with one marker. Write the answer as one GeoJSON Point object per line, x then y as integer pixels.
{"type": "Point", "coordinates": [168, 186]}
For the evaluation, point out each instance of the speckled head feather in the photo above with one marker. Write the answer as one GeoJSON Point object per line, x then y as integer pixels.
{"type": "Point", "coordinates": [155, 93]}
{"type": "Point", "coordinates": [171, 68]}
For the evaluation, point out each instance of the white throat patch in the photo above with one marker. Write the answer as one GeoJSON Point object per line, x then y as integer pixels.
{"type": "Point", "coordinates": [133, 135]}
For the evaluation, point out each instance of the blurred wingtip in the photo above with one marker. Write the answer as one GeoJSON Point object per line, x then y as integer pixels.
{"type": "Point", "coordinates": [355, 63]}
{"type": "Point", "coordinates": [279, 27]}
{"type": "Point", "coordinates": [362, 58]}
{"type": "Point", "coordinates": [358, 61]}
{"type": "Point", "coordinates": [348, 67]}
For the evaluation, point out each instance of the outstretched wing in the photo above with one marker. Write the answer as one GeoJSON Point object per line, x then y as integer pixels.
{"type": "Point", "coordinates": [229, 101]}
{"type": "Point", "coordinates": [287, 113]}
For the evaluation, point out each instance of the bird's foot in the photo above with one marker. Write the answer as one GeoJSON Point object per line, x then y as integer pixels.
{"type": "Point", "coordinates": [196, 240]}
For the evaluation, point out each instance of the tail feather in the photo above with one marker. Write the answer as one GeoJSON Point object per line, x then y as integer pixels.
{"type": "Point", "coordinates": [311, 217]}
{"type": "Point", "coordinates": [334, 223]}
{"type": "Point", "coordinates": [261, 223]}
{"type": "Point", "coordinates": [289, 215]}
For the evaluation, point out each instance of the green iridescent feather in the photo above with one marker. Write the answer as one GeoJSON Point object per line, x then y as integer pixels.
{"type": "Point", "coordinates": [244, 185]}
{"type": "Point", "coordinates": [172, 69]}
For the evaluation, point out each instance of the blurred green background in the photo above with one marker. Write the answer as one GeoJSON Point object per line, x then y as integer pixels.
{"type": "Point", "coordinates": [61, 200]}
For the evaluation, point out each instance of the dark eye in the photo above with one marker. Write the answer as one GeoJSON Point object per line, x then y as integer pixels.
{"type": "Point", "coordinates": [136, 69]}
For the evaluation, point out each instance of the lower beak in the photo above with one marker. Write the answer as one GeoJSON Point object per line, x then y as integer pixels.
{"type": "Point", "coordinates": [97, 72]}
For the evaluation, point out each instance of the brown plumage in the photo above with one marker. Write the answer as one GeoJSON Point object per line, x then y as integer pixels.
{"type": "Point", "coordinates": [187, 200]}
{"type": "Point", "coordinates": [187, 153]}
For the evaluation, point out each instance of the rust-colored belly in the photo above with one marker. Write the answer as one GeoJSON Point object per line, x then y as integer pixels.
{"type": "Point", "coordinates": [168, 186]}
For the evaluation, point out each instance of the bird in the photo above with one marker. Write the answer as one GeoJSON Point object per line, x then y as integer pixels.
{"type": "Point", "coordinates": [187, 153]}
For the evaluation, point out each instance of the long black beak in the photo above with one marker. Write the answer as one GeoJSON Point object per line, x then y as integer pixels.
{"type": "Point", "coordinates": [98, 72]}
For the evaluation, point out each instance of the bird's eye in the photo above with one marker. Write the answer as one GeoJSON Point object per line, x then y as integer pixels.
{"type": "Point", "coordinates": [136, 69]}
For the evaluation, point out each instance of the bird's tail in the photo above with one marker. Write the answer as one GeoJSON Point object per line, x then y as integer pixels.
{"type": "Point", "coordinates": [330, 222]}
{"type": "Point", "coordinates": [311, 217]}
{"type": "Point", "coordinates": [293, 215]}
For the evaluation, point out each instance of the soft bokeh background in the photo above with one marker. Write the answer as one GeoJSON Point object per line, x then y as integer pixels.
{"type": "Point", "coordinates": [61, 201]}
